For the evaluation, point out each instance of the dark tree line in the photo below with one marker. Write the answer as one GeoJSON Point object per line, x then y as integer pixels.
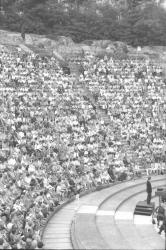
{"type": "Point", "coordinates": [136, 24]}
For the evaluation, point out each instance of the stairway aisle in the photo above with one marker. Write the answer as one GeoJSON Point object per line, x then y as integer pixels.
{"type": "Point", "coordinates": [57, 232]}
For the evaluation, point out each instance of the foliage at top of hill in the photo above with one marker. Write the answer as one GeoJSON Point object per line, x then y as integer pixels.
{"type": "Point", "coordinates": [134, 22]}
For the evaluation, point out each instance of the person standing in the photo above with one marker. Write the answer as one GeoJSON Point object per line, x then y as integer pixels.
{"type": "Point", "coordinates": [111, 173]}
{"type": "Point", "coordinates": [149, 190]}
{"type": "Point", "coordinates": [23, 31]}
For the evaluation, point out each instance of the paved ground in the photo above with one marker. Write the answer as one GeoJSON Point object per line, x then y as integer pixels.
{"type": "Point", "coordinates": [104, 220]}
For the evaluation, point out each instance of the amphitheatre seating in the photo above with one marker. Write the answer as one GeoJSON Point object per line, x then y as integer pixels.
{"type": "Point", "coordinates": [52, 136]}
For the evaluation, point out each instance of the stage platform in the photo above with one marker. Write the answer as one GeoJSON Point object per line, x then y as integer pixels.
{"type": "Point", "coordinates": [142, 208]}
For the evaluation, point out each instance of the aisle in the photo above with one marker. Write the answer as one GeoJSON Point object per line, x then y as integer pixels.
{"type": "Point", "coordinates": [57, 232]}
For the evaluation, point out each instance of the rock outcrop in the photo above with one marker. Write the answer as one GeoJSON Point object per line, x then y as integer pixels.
{"type": "Point", "coordinates": [65, 48]}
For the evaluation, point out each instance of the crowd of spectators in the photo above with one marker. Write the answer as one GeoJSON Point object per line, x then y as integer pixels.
{"type": "Point", "coordinates": [54, 142]}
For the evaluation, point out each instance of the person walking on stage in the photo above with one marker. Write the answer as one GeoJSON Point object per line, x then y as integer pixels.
{"type": "Point", "coordinates": [149, 190]}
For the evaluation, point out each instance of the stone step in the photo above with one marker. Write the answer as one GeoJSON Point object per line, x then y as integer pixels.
{"type": "Point", "coordinates": [57, 235]}
{"type": "Point", "coordinates": [59, 246]}
{"type": "Point", "coordinates": [59, 222]}
{"type": "Point", "coordinates": [61, 217]}
{"type": "Point", "coordinates": [57, 240]}
{"type": "Point", "coordinates": [146, 213]}
{"type": "Point", "coordinates": [130, 233]}
{"type": "Point", "coordinates": [60, 226]}
{"type": "Point", "coordinates": [57, 230]}
{"type": "Point", "coordinates": [111, 234]}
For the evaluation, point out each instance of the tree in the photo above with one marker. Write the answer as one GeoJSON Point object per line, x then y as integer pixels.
{"type": "Point", "coordinates": [75, 3]}
{"type": "Point", "coordinates": [132, 4]}
{"type": "Point", "coordinates": [141, 23]}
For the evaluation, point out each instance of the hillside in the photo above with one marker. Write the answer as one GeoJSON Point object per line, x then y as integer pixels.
{"type": "Point", "coordinates": [64, 47]}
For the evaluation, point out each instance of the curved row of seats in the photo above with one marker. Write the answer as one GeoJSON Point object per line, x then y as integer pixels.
{"type": "Point", "coordinates": [108, 222]}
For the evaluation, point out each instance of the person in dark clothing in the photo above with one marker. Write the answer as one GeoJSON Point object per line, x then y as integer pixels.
{"type": "Point", "coordinates": [72, 188]}
{"type": "Point", "coordinates": [160, 214]}
{"type": "Point", "coordinates": [163, 227]}
{"type": "Point", "coordinates": [149, 190]}
{"type": "Point", "coordinates": [111, 173]}
{"type": "Point", "coordinates": [23, 31]}
{"type": "Point", "coordinates": [81, 70]}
